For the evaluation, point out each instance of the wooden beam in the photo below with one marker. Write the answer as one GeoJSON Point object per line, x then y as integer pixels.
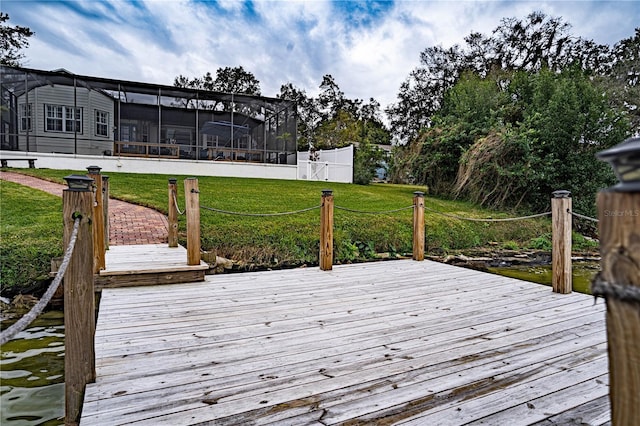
{"type": "Point", "coordinates": [192, 196]}
{"type": "Point", "coordinates": [561, 242]}
{"type": "Point", "coordinates": [173, 213]}
{"type": "Point", "coordinates": [99, 262]}
{"type": "Point", "coordinates": [619, 227]}
{"type": "Point", "coordinates": [418, 225]}
{"type": "Point", "coordinates": [79, 302]}
{"type": "Point", "coordinates": [105, 209]}
{"type": "Point", "coordinates": [326, 230]}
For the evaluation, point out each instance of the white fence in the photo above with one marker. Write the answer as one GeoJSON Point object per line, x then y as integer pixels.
{"type": "Point", "coordinates": [331, 166]}
{"type": "Point", "coordinates": [334, 165]}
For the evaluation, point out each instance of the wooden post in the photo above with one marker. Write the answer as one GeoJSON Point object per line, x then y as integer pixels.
{"type": "Point", "coordinates": [99, 262]}
{"type": "Point", "coordinates": [79, 303]}
{"type": "Point", "coordinates": [105, 210]}
{"type": "Point", "coordinates": [173, 213]}
{"type": "Point", "coordinates": [192, 198]}
{"type": "Point", "coordinates": [561, 242]}
{"type": "Point", "coordinates": [619, 228]}
{"type": "Point", "coordinates": [418, 225]}
{"type": "Point", "coordinates": [326, 230]}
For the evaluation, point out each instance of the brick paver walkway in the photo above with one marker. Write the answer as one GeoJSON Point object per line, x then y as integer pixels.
{"type": "Point", "coordinates": [128, 223]}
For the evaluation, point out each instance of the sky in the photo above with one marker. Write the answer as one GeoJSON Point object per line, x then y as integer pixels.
{"type": "Point", "coordinates": [368, 47]}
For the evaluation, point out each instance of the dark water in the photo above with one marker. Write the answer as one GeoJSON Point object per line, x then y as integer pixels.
{"type": "Point", "coordinates": [32, 374]}
{"type": "Point", "coordinates": [583, 273]}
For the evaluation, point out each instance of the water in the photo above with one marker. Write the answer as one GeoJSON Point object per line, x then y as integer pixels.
{"type": "Point", "coordinates": [582, 275]}
{"type": "Point", "coordinates": [32, 374]}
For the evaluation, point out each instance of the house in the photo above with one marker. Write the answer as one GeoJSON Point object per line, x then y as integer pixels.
{"type": "Point", "coordinates": [60, 112]}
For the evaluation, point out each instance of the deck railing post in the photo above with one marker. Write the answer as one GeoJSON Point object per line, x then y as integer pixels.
{"type": "Point", "coordinates": [173, 213]}
{"type": "Point", "coordinates": [99, 262]}
{"type": "Point", "coordinates": [561, 242]}
{"type": "Point", "coordinates": [192, 198]}
{"type": "Point", "coordinates": [326, 230]}
{"type": "Point", "coordinates": [105, 210]}
{"type": "Point", "coordinates": [619, 230]}
{"type": "Point", "coordinates": [79, 302]}
{"type": "Point", "coordinates": [418, 225]}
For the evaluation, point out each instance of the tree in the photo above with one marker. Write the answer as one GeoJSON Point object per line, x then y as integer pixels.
{"type": "Point", "coordinates": [12, 41]}
{"type": "Point", "coordinates": [622, 81]}
{"type": "Point", "coordinates": [228, 80]}
{"type": "Point", "coordinates": [535, 43]}
{"type": "Point", "coordinates": [511, 138]}
{"type": "Point", "coordinates": [420, 95]}
{"type": "Point", "coordinates": [236, 80]}
{"type": "Point", "coordinates": [308, 114]}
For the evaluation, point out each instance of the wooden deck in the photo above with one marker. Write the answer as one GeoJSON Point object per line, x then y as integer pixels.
{"type": "Point", "coordinates": [396, 342]}
{"type": "Point", "coordinates": [147, 264]}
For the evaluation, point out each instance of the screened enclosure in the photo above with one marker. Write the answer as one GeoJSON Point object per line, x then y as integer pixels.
{"type": "Point", "coordinates": [56, 111]}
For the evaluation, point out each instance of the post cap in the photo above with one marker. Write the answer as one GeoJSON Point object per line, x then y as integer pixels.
{"type": "Point", "coordinates": [418, 193]}
{"type": "Point", "coordinates": [94, 170]}
{"type": "Point", "coordinates": [326, 192]}
{"type": "Point", "coordinates": [173, 181]}
{"type": "Point", "coordinates": [562, 193]}
{"type": "Point", "coordinates": [624, 158]}
{"type": "Point", "coordinates": [79, 183]}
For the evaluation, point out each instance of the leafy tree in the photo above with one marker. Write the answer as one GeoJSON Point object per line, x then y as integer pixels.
{"type": "Point", "coordinates": [236, 80]}
{"type": "Point", "coordinates": [308, 114]}
{"type": "Point", "coordinates": [228, 80]}
{"type": "Point", "coordinates": [12, 40]}
{"type": "Point", "coordinates": [334, 121]}
{"type": "Point", "coordinates": [535, 43]}
{"type": "Point", "coordinates": [421, 94]}
{"type": "Point", "coordinates": [622, 81]}
{"type": "Point", "coordinates": [367, 159]}
{"type": "Point", "coordinates": [508, 140]}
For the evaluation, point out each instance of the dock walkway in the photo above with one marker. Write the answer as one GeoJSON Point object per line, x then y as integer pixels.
{"type": "Point", "coordinates": [395, 342]}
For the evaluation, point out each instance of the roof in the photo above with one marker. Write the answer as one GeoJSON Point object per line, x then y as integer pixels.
{"type": "Point", "coordinates": [17, 79]}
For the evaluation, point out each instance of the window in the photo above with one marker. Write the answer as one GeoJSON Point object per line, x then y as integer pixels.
{"type": "Point", "coordinates": [61, 118]}
{"type": "Point", "coordinates": [25, 117]}
{"type": "Point", "coordinates": [102, 123]}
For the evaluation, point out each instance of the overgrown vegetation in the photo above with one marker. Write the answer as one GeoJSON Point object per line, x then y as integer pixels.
{"type": "Point", "coordinates": [29, 215]}
{"type": "Point", "coordinates": [509, 117]}
{"type": "Point", "coordinates": [512, 138]}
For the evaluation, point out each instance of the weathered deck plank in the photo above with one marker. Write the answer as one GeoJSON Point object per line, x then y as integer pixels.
{"type": "Point", "coordinates": [388, 342]}
{"type": "Point", "coordinates": [147, 265]}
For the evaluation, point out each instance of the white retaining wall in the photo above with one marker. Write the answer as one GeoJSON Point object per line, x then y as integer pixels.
{"type": "Point", "coordinates": [154, 165]}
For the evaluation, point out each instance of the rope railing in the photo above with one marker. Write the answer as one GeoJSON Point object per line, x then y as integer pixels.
{"type": "Point", "coordinates": [578, 215]}
{"type": "Point", "coordinates": [606, 290]}
{"type": "Point", "coordinates": [259, 214]}
{"type": "Point", "coordinates": [175, 201]}
{"type": "Point", "coordinates": [37, 309]}
{"type": "Point", "coordinates": [374, 212]}
{"type": "Point", "coordinates": [472, 219]}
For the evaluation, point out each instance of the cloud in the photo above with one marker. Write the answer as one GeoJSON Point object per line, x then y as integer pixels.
{"type": "Point", "coordinates": [368, 47]}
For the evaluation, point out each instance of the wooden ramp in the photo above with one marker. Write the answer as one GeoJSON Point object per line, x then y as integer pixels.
{"type": "Point", "coordinates": [148, 264]}
{"type": "Point", "coordinates": [396, 342]}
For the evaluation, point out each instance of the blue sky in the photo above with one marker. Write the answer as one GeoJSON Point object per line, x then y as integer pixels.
{"type": "Point", "coordinates": [368, 47]}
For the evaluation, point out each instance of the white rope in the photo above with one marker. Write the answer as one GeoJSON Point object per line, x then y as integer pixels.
{"type": "Point", "coordinates": [27, 319]}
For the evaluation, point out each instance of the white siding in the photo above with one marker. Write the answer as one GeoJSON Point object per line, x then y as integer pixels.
{"type": "Point", "coordinates": [87, 141]}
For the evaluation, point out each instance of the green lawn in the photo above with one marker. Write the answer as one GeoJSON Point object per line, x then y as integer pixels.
{"type": "Point", "coordinates": [263, 241]}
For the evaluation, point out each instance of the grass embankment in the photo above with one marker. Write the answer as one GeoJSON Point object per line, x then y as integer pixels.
{"type": "Point", "coordinates": [30, 235]}
{"type": "Point", "coordinates": [265, 241]}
